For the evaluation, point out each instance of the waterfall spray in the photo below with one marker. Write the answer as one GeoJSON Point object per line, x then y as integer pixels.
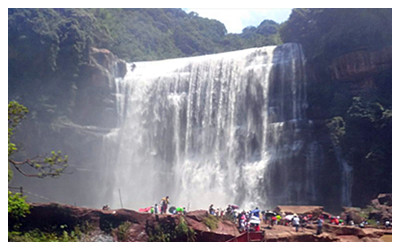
{"type": "Point", "coordinates": [222, 129]}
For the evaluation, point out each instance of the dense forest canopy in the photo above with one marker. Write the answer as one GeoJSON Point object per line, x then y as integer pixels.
{"type": "Point", "coordinates": [48, 47]}
{"type": "Point", "coordinates": [331, 32]}
{"type": "Point", "coordinates": [131, 34]}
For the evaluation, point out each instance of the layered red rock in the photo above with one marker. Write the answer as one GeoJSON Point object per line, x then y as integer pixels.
{"type": "Point", "coordinates": [360, 68]}
{"type": "Point", "coordinates": [361, 64]}
{"type": "Point", "coordinates": [299, 209]}
{"type": "Point", "coordinates": [53, 215]}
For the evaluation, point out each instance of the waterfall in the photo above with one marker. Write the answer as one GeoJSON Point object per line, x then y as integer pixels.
{"type": "Point", "coordinates": [346, 177]}
{"type": "Point", "coordinates": [224, 128]}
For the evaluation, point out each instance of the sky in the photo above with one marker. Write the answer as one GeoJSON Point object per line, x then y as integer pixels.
{"type": "Point", "coordinates": [235, 20]}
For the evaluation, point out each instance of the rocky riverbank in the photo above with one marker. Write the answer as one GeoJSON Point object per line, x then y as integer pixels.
{"type": "Point", "coordinates": [125, 224]}
{"type": "Point", "coordinates": [132, 226]}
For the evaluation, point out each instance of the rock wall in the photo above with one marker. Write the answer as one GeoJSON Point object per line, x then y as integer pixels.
{"type": "Point", "coordinates": [71, 117]}
{"type": "Point", "coordinates": [332, 84]}
{"type": "Point", "coordinates": [359, 68]}
{"type": "Point", "coordinates": [110, 223]}
{"type": "Point", "coordinates": [95, 97]}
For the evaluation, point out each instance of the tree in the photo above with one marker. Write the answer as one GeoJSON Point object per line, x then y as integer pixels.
{"type": "Point", "coordinates": [52, 164]}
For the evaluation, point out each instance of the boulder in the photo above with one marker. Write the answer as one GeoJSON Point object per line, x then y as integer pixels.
{"type": "Point", "coordinates": [314, 210]}
{"type": "Point", "coordinates": [385, 199]}
{"type": "Point", "coordinates": [224, 230]}
{"type": "Point", "coordinates": [382, 208]}
{"type": "Point", "coordinates": [344, 230]}
{"type": "Point", "coordinates": [354, 212]}
{"type": "Point", "coordinates": [108, 61]}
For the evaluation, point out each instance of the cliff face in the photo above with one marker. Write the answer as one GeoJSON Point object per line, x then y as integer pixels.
{"type": "Point", "coordinates": [355, 89]}
{"type": "Point", "coordinates": [360, 68]}
{"type": "Point", "coordinates": [124, 224]}
{"type": "Point", "coordinates": [94, 103]}
{"type": "Point", "coordinates": [71, 117]}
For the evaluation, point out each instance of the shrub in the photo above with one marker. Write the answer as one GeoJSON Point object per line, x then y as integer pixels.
{"type": "Point", "coordinates": [211, 222]}
{"type": "Point", "coordinates": [17, 206]}
{"type": "Point", "coordinates": [122, 231]}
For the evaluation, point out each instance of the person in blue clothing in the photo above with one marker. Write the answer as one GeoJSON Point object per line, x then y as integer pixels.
{"type": "Point", "coordinates": [256, 212]}
{"type": "Point", "coordinates": [156, 208]}
{"type": "Point", "coordinates": [211, 209]}
{"type": "Point", "coordinates": [319, 225]}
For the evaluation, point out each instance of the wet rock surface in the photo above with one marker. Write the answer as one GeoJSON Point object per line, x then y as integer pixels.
{"type": "Point", "coordinates": [130, 225]}
{"type": "Point", "coordinates": [331, 233]}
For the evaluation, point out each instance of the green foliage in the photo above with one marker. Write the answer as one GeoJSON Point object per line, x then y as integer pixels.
{"type": "Point", "coordinates": [17, 206]}
{"type": "Point", "coordinates": [211, 221]}
{"type": "Point", "coordinates": [169, 231]}
{"type": "Point", "coordinates": [123, 230]}
{"type": "Point", "coordinates": [16, 113]}
{"type": "Point", "coordinates": [329, 32]}
{"type": "Point", "coordinates": [51, 165]}
{"type": "Point", "coordinates": [184, 231]}
{"type": "Point", "coordinates": [371, 126]}
{"type": "Point", "coordinates": [10, 173]}
{"type": "Point", "coordinates": [364, 212]}
{"type": "Point", "coordinates": [56, 233]}
{"type": "Point", "coordinates": [373, 112]}
{"type": "Point", "coordinates": [337, 129]}
{"type": "Point", "coordinates": [158, 234]}
{"type": "Point", "coordinates": [55, 39]}
{"type": "Point", "coordinates": [39, 236]}
{"type": "Point", "coordinates": [61, 37]}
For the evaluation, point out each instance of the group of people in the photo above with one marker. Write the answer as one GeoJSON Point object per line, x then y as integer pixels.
{"type": "Point", "coordinates": [246, 221]}
{"type": "Point", "coordinates": [251, 220]}
{"type": "Point", "coordinates": [163, 208]}
{"type": "Point", "coordinates": [297, 221]}
{"type": "Point", "coordinates": [229, 211]}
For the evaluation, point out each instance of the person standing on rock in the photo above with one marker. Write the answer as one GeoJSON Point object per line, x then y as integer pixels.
{"type": "Point", "coordinates": [296, 222]}
{"type": "Point", "coordinates": [348, 219]}
{"type": "Point", "coordinates": [156, 208]}
{"type": "Point", "coordinates": [278, 219]}
{"type": "Point", "coordinates": [211, 209]}
{"type": "Point", "coordinates": [319, 225]}
{"type": "Point", "coordinates": [164, 204]}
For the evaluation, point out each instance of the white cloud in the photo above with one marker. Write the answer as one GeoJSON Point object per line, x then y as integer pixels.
{"type": "Point", "coordinates": [235, 20]}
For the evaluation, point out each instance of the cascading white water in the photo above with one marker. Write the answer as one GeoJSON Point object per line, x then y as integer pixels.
{"type": "Point", "coordinates": [346, 177]}
{"type": "Point", "coordinates": [222, 129]}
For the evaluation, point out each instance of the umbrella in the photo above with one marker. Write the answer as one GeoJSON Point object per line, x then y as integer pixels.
{"type": "Point", "coordinates": [172, 209]}
{"type": "Point", "coordinates": [254, 220]}
{"type": "Point", "coordinates": [270, 213]}
{"type": "Point", "coordinates": [235, 206]}
{"type": "Point", "coordinates": [289, 217]}
{"type": "Point", "coordinates": [144, 210]}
